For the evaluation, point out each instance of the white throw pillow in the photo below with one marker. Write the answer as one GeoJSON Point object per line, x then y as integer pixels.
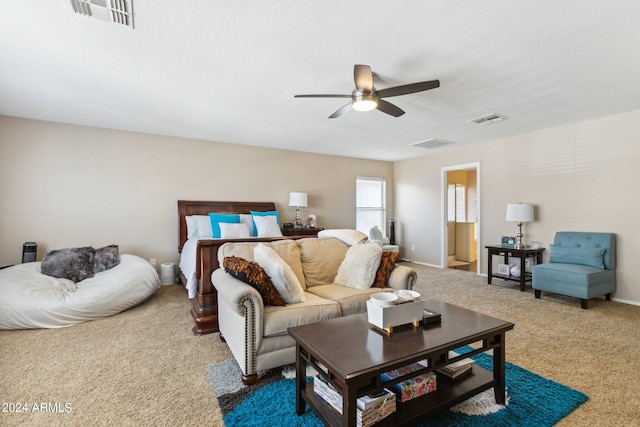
{"type": "Point", "coordinates": [267, 226]}
{"type": "Point", "coordinates": [358, 269]}
{"type": "Point", "coordinates": [248, 219]}
{"type": "Point", "coordinates": [280, 273]}
{"type": "Point", "coordinates": [233, 231]}
{"type": "Point", "coordinates": [203, 223]}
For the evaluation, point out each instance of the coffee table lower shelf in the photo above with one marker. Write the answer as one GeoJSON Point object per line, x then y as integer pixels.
{"type": "Point", "coordinates": [448, 394]}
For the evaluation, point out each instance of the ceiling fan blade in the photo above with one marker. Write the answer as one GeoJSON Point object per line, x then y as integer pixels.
{"type": "Point", "coordinates": [407, 89]}
{"type": "Point", "coordinates": [341, 111]}
{"type": "Point", "coordinates": [322, 96]}
{"type": "Point", "coordinates": [389, 108]}
{"type": "Point", "coordinates": [363, 77]}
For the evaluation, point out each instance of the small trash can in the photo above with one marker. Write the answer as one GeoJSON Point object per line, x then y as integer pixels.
{"type": "Point", "coordinates": [167, 273]}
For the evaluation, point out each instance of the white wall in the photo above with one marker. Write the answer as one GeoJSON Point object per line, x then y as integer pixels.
{"type": "Point", "coordinates": [67, 186]}
{"type": "Point", "coordinates": [580, 177]}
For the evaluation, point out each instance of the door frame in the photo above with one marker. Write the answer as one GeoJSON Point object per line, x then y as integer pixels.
{"type": "Point", "coordinates": [444, 249]}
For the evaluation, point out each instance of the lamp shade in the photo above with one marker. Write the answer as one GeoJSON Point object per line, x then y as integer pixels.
{"type": "Point", "coordinates": [298, 200]}
{"type": "Point", "coordinates": [519, 212]}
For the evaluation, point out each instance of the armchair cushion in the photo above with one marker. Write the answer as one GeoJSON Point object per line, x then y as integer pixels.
{"type": "Point", "coordinates": [251, 273]}
{"type": "Point", "coordinates": [591, 257]}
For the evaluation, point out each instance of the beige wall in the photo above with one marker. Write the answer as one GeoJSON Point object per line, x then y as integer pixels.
{"type": "Point", "coordinates": [63, 186]}
{"type": "Point", "coordinates": [580, 177]}
{"type": "Point", "coordinates": [66, 186]}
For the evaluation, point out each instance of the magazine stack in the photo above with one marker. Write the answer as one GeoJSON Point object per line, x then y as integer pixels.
{"type": "Point", "coordinates": [371, 408]}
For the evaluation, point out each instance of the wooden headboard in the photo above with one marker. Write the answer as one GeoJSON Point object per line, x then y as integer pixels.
{"type": "Point", "coordinates": [190, 207]}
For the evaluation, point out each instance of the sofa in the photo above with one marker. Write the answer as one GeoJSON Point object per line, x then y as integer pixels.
{"type": "Point", "coordinates": [256, 333]}
{"type": "Point", "coordinates": [581, 265]}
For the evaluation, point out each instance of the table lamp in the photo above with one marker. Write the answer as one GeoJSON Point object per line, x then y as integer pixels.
{"type": "Point", "coordinates": [299, 200]}
{"type": "Point", "coordinates": [519, 212]}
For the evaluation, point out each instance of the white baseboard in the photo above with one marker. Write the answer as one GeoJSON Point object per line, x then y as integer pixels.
{"type": "Point", "coordinates": [625, 301]}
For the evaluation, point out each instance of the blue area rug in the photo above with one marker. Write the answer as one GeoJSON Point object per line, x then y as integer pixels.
{"type": "Point", "coordinates": [532, 400]}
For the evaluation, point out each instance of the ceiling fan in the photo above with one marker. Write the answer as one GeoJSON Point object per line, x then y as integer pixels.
{"type": "Point", "coordinates": [365, 97]}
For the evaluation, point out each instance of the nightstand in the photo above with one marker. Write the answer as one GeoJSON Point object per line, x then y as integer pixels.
{"type": "Point", "coordinates": [301, 231]}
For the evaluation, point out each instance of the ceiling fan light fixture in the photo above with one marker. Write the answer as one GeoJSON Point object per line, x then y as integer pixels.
{"type": "Point", "coordinates": [364, 102]}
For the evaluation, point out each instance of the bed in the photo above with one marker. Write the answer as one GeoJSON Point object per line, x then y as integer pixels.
{"type": "Point", "coordinates": [199, 257]}
{"type": "Point", "coordinates": [32, 300]}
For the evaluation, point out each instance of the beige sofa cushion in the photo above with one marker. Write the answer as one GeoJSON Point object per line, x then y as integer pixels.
{"type": "Point", "coordinates": [321, 259]}
{"type": "Point", "coordinates": [352, 301]}
{"type": "Point", "coordinates": [313, 309]}
{"type": "Point", "coordinates": [287, 249]}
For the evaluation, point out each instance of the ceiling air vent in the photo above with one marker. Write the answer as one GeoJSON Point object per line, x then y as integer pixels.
{"type": "Point", "coordinates": [488, 119]}
{"type": "Point", "coordinates": [432, 143]}
{"type": "Point", "coordinates": [116, 11]}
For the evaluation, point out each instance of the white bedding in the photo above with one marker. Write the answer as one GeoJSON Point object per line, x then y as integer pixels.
{"type": "Point", "coordinates": [188, 265]}
{"type": "Point", "coordinates": [30, 299]}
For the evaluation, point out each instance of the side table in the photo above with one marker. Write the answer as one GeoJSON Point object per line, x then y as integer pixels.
{"type": "Point", "coordinates": [522, 254]}
{"type": "Point", "coordinates": [301, 231]}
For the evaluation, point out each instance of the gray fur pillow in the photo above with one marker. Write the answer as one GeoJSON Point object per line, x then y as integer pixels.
{"type": "Point", "coordinates": [106, 258]}
{"type": "Point", "coordinates": [75, 264]}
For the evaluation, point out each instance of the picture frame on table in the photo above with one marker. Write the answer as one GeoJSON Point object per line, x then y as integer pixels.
{"type": "Point", "coordinates": [508, 241]}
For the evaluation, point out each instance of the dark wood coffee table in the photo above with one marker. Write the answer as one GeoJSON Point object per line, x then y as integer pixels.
{"type": "Point", "coordinates": [355, 353]}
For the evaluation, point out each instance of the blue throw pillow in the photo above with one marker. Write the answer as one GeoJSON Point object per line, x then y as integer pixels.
{"type": "Point", "coordinates": [267, 213]}
{"type": "Point", "coordinates": [591, 257]}
{"type": "Point", "coordinates": [217, 218]}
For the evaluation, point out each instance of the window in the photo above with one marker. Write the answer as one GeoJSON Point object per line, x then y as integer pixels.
{"type": "Point", "coordinates": [371, 204]}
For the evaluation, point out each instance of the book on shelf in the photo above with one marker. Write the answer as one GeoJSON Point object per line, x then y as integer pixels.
{"type": "Point", "coordinates": [404, 370]}
{"type": "Point", "coordinates": [412, 387]}
{"type": "Point", "coordinates": [456, 369]}
{"type": "Point", "coordinates": [370, 408]}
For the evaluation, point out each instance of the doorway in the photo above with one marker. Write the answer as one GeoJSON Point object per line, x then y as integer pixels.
{"type": "Point", "coordinates": [461, 217]}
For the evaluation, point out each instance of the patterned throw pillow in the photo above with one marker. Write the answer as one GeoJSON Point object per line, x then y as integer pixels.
{"type": "Point", "coordinates": [75, 264]}
{"type": "Point", "coordinates": [387, 263]}
{"type": "Point", "coordinates": [254, 275]}
{"type": "Point", "coordinates": [106, 258]}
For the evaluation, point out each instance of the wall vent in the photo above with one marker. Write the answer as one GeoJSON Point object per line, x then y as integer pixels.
{"type": "Point", "coordinates": [488, 119]}
{"type": "Point", "coordinates": [432, 143]}
{"type": "Point", "coordinates": [116, 11]}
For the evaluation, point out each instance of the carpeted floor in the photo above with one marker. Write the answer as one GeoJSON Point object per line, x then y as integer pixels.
{"type": "Point", "coordinates": [144, 367]}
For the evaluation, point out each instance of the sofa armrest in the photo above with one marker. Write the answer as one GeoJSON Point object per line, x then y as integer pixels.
{"type": "Point", "coordinates": [402, 277]}
{"type": "Point", "coordinates": [235, 292]}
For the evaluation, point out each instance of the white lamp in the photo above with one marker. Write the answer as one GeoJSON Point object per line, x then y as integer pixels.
{"type": "Point", "coordinates": [299, 200]}
{"type": "Point", "coordinates": [519, 212]}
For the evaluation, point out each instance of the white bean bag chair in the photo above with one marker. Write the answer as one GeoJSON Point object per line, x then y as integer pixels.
{"type": "Point", "coordinates": [30, 299]}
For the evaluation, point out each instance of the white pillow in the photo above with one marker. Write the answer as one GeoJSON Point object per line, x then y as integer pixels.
{"type": "Point", "coordinates": [267, 226]}
{"type": "Point", "coordinates": [248, 219]}
{"type": "Point", "coordinates": [233, 231]}
{"type": "Point", "coordinates": [359, 266]}
{"type": "Point", "coordinates": [198, 226]}
{"type": "Point", "coordinates": [280, 273]}
{"type": "Point", "coordinates": [192, 226]}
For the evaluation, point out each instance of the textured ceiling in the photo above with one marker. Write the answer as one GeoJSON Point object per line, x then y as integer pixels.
{"type": "Point", "coordinates": [227, 71]}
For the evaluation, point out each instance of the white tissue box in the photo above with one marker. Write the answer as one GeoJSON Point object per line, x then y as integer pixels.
{"type": "Point", "coordinates": [395, 315]}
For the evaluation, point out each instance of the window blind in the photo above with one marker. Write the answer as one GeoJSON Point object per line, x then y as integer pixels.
{"type": "Point", "coordinates": [371, 196]}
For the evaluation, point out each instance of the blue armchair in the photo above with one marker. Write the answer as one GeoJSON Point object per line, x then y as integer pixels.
{"type": "Point", "coordinates": [581, 265]}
